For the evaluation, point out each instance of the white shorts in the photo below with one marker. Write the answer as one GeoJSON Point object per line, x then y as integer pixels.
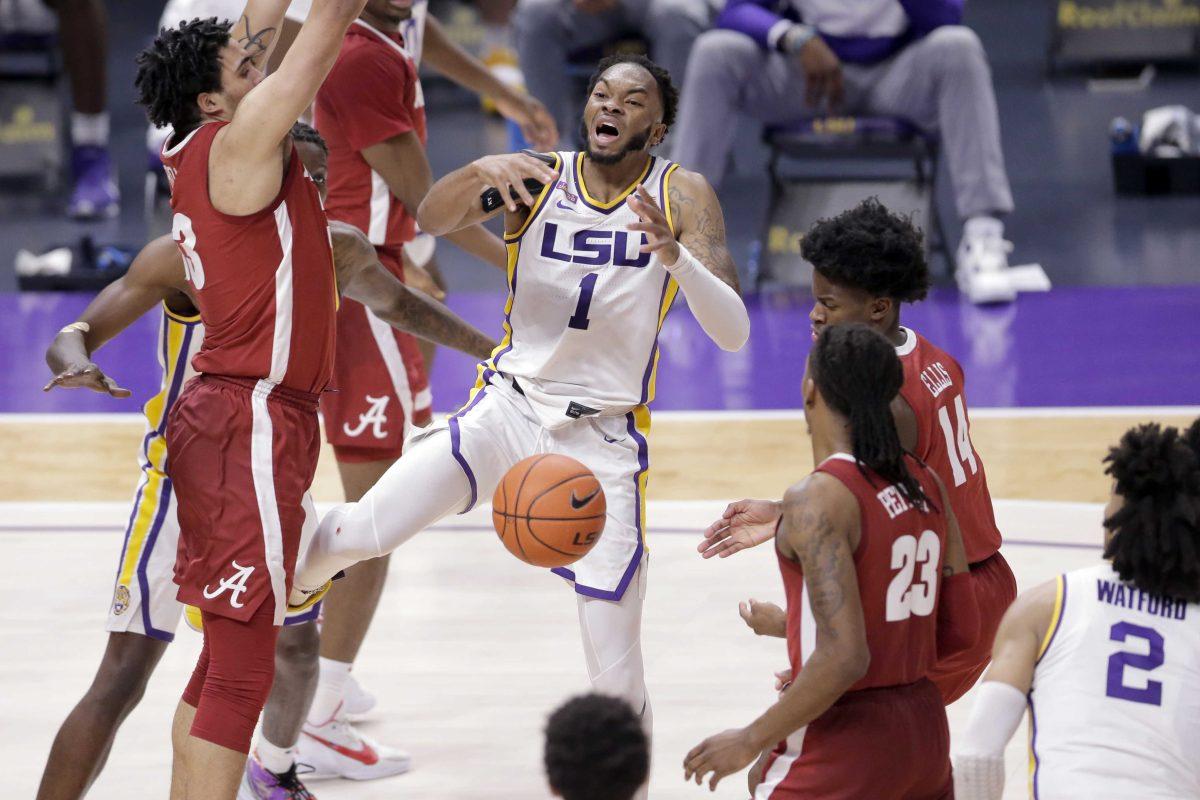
{"type": "Point", "coordinates": [143, 598]}
{"type": "Point", "coordinates": [498, 428]}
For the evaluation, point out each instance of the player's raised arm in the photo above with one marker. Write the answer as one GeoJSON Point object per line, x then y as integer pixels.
{"type": "Point", "coordinates": [693, 250]}
{"type": "Point", "coordinates": [154, 275]}
{"type": "Point", "coordinates": [362, 278]}
{"type": "Point", "coordinates": [1002, 696]}
{"type": "Point", "coordinates": [817, 526]}
{"type": "Point", "coordinates": [453, 202]}
{"type": "Point", "coordinates": [266, 114]}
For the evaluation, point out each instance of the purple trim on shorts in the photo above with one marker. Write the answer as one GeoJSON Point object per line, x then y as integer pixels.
{"type": "Point", "coordinates": [456, 449]}
{"type": "Point", "coordinates": [308, 616]}
{"type": "Point", "coordinates": [575, 175]}
{"type": "Point", "coordinates": [164, 501]}
{"type": "Point", "coordinates": [623, 584]}
{"type": "Point", "coordinates": [654, 348]}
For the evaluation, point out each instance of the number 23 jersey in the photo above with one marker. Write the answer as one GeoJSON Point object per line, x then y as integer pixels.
{"type": "Point", "coordinates": [1115, 704]}
{"type": "Point", "coordinates": [585, 306]}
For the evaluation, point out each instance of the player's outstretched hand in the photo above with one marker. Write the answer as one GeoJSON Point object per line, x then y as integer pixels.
{"type": "Point", "coordinates": [744, 524]}
{"type": "Point", "coordinates": [535, 120]}
{"type": "Point", "coordinates": [724, 754]}
{"type": "Point", "coordinates": [86, 376]}
{"type": "Point", "coordinates": [765, 619]}
{"type": "Point", "coordinates": [507, 173]}
{"type": "Point", "coordinates": [653, 222]}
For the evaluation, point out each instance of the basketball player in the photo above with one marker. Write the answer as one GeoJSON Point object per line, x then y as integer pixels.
{"type": "Point", "coordinates": [867, 262]}
{"type": "Point", "coordinates": [243, 434]}
{"type": "Point", "coordinates": [144, 612]}
{"type": "Point", "coordinates": [595, 750]}
{"type": "Point", "coordinates": [1107, 658]}
{"type": "Point", "coordinates": [595, 261]}
{"type": "Point", "coordinates": [877, 588]}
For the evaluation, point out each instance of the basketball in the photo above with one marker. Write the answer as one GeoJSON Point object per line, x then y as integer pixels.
{"type": "Point", "coordinates": [549, 510]}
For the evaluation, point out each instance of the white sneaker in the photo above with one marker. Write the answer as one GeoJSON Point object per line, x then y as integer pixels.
{"type": "Point", "coordinates": [337, 750]}
{"type": "Point", "coordinates": [982, 269]}
{"type": "Point", "coordinates": [356, 700]}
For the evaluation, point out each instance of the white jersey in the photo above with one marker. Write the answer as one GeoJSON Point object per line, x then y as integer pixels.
{"type": "Point", "coordinates": [585, 306]}
{"type": "Point", "coordinates": [1115, 704]}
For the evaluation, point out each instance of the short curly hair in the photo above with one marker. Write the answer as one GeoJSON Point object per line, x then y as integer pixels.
{"type": "Point", "coordinates": [179, 65]}
{"type": "Point", "coordinates": [596, 749]}
{"type": "Point", "coordinates": [1155, 534]}
{"type": "Point", "coordinates": [872, 249]}
{"type": "Point", "coordinates": [666, 89]}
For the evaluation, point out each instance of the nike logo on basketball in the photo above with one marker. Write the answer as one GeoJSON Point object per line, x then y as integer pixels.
{"type": "Point", "coordinates": [235, 585]}
{"type": "Point", "coordinates": [364, 754]}
{"type": "Point", "coordinates": [578, 503]}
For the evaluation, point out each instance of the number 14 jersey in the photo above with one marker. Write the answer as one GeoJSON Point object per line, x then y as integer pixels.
{"type": "Point", "coordinates": [1115, 703]}
{"type": "Point", "coordinates": [585, 305]}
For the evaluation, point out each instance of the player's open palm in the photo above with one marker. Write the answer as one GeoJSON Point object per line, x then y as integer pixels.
{"type": "Point", "coordinates": [86, 376]}
{"type": "Point", "coordinates": [744, 524]}
{"type": "Point", "coordinates": [652, 221]}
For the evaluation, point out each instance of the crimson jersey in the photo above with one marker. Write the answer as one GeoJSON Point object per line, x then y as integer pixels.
{"type": "Point", "coordinates": [934, 389]}
{"type": "Point", "coordinates": [264, 283]}
{"type": "Point", "coordinates": [899, 566]}
{"type": "Point", "coordinates": [371, 95]}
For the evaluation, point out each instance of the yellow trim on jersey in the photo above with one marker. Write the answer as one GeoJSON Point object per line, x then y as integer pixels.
{"type": "Point", "coordinates": [641, 421]}
{"type": "Point", "coordinates": [666, 201]}
{"type": "Point", "coordinates": [1055, 617]}
{"type": "Point", "coordinates": [538, 202]}
{"type": "Point", "coordinates": [619, 198]}
{"type": "Point", "coordinates": [514, 252]}
{"type": "Point", "coordinates": [668, 299]}
{"type": "Point", "coordinates": [183, 319]}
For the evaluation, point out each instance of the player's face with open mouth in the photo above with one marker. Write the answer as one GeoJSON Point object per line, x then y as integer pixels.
{"type": "Point", "coordinates": [621, 113]}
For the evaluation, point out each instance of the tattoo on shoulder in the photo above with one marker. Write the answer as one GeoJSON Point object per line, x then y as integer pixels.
{"type": "Point", "coordinates": [705, 234]}
{"type": "Point", "coordinates": [257, 42]}
{"type": "Point", "coordinates": [821, 552]}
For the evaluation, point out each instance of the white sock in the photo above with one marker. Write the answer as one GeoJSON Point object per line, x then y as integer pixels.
{"type": "Point", "coordinates": [275, 758]}
{"type": "Point", "coordinates": [331, 687]}
{"type": "Point", "coordinates": [89, 129]}
{"type": "Point", "coordinates": [983, 227]}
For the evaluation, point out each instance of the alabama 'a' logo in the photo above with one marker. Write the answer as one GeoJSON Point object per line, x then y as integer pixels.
{"type": "Point", "coordinates": [235, 585]}
{"type": "Point", "coordinates": [375, 418]}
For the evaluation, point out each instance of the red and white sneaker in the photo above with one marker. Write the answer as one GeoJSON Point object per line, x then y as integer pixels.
{"type": "Point", "coordinates": [337, 750]}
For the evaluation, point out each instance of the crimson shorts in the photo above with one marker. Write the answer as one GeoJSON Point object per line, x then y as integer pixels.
{"type": "Point", "coordinates": [380, 387]}
{"type": "Point", "coordinates": [242, 458]}
{"type": "Point", "coordinates": [891, 743]}
{"type": "Point", "coordinates": [995, 589]}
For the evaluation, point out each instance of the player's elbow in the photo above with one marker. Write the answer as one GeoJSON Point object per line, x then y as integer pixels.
{"type": "Point", "coordinates": [429, 220]}
{"type": "Point", "coordinates": [851, 663]}
{"type": "Point", "coordinates": [734, 336]}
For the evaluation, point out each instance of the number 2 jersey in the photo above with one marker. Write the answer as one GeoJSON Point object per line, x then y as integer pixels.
{"type": "Point", "coordinates": [585, 306]}
{"type": "Point", "coordinates": [1115, 704]}
{"type": "Point", "coordinates": [934, 389]}
{"type": "Point", "coordinates": [898, 563]}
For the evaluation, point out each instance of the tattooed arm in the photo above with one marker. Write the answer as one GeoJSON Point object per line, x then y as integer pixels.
{"type": "Point", "coordinates": [362, 278]}
{"type": "Point", "coordinates": [700, 224]}
{"type": "Point", "coordinates": [820, 527]}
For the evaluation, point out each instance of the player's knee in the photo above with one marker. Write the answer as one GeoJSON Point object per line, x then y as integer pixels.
{"type": "Point", "coordinates": [624, 679]}
{"type": "Point", "coordinates": [721, 55]}
{"type": "Point", "coordinates": [297, 650]}
{"type": "Point", "coordinates": [676, 18]}
{"type": "Point", "coordinates": [951, 47]}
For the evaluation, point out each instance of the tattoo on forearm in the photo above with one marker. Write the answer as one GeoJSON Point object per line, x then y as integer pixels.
{"type": "Point", "coordinates": [430, 320]}
{"type": "Point", "coordinates": [821, 555]}
{"type": "Point", "coordinates": [705, 237]}
{"type": "Point", "coordinates": [256, 43]}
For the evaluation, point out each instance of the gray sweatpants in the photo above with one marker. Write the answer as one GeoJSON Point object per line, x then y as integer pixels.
{"type": "Point", "coordinates": [941, 82]}
{"type": "Point", "coordinates": [548, 30]}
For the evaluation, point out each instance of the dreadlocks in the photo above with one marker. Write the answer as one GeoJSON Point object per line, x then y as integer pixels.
{"type": "Point", "coordinates": [1155, 534]}
{"type": "Point", "coordinates": [858, 374]}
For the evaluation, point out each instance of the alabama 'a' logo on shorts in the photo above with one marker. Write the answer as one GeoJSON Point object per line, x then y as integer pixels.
{"type": "Point", "coordinates": [120, 599]}
{"type": "Point", "coordinates": [375, 418]}
{"type": "Point", "coordinates": [235, 585]}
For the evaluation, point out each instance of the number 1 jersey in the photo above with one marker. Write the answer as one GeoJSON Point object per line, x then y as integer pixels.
{"type": "Point", "coordinates": [585, 305]}
{"type": "Point", "coordinates": [1115, 704]}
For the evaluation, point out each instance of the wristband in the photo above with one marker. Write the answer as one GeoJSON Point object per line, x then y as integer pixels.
{"type": "Point", "coordinates": [794, 39]}
{"type": "Point", "coordinates": [81, 328]}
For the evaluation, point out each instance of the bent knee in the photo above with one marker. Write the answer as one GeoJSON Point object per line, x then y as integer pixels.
{"type": "Point", "coordinates": [298, 647]}
{"type": "Point", "coordinates": [723, 55]}
{"type": "Point", "coordinates": [954, 45]}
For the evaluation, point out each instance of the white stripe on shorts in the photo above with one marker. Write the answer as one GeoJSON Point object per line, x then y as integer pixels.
{"type": "Point", "coordinates": [385, 340]}
{"type": "Point", "coordinates": [781, 766]}
{"type": "Point", "coordinates": [281, 347]}
{"type": "Point", "coordinates": [262, 468]}
{"type": "Point", "coordinates": [381, 206]}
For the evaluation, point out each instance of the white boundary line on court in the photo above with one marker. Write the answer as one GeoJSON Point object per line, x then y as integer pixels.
{"type": "Point", "coordinates": [1034, 412]}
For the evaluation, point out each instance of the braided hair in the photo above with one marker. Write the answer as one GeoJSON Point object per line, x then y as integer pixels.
{"type": "Point", "coordinates": [179, 65]}
{"type": "Point", "coordinates": [1155, 534]}
{"type": "Point", "coordinates": [858, 374]}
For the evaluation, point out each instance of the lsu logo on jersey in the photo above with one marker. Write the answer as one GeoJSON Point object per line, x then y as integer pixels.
{"type": "Point", "coordinates": [593, 248]}
{"type": "Point", "coordinates": [375, 418]}
{"type": "Point", "coordinates": [235, 585]}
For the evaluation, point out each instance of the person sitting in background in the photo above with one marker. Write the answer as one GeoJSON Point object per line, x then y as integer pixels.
{"type": "Point", "coordinates": [596, 749]}
{"type": "Point", "coordinates": [547, 31]}
{"type": "Point", "coordinates": [906, 58]}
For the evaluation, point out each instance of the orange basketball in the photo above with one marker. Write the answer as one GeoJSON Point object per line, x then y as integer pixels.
{"type": "Point", "coordinates": [549, 510]}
